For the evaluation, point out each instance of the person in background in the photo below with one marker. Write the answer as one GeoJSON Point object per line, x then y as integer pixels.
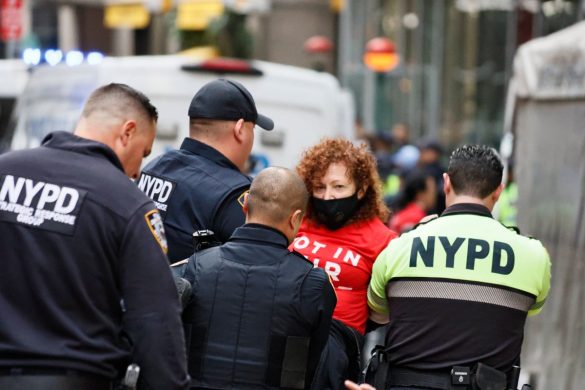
{"type": "Point", "coordinates": [400, 134]}
{"type": "Point", "coordinates": [343, 233]}
{"type": "Point", "coordinates": [381, 146]}
{"type": "Point", "coordinates": [417, 198]}
{"type": "Point", "coordinates": [403, 161]}
{"type": "Point", "coordinates": [430, 161]}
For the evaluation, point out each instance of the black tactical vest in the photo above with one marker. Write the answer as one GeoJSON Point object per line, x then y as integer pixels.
{"type": "Point", "coordinates": [244, 327]}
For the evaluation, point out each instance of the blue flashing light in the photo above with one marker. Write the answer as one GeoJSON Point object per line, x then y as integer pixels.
{"type": "Point", "coordinates": [74, 58]}
{"type": "Point", "coordinates": [53, 57]}
{"type": "Point", "coordinates": [94, 58]}
{"type": "Point", "coordinates": [31, 56]}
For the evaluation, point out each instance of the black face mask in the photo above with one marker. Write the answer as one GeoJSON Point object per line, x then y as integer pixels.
{"type": "Point", "coordinates": [334, 213]}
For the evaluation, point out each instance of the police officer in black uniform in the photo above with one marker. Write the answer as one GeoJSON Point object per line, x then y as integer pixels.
{"type": "Point", "coordinates": [85, 286]}
{"type": "Point", "coordinates": [259, 315]}
{"type": "Point", "coordinates": [201, 185]}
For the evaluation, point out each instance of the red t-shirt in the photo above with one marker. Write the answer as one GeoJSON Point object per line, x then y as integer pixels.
{"type": "Point", "coordinates": [407, 218]}
{"type": "Point", "coordinates": [347, 255]}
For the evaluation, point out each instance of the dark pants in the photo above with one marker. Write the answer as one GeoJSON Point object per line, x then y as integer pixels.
{"type": "Point", "coordinates": [409, 388]}
{"type": "Point", "coordinates": [52, 382]}
{"type": "Point", "coordinates": [340, 359]}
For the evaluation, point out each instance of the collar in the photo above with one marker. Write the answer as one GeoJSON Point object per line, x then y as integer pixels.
{"type": "Point", "coordinates": [260, 233]}
{"type": "Point", "coordinates": [68, 141]}
{"type": "Point", "coordinates": [467, 208]}
{"type": "Point", "coordinates": [197, 147]}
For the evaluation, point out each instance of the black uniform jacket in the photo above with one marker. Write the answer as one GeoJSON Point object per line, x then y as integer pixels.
{"type": "Point", "coordinates": [195, 188]}
{"type": "Point", "coordinates": [82, 265]}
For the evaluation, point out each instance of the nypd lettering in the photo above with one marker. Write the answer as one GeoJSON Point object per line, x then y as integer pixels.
{"type": "Point", "coordinates": [157, 189]}
{"type": "Point", "coordinates": [39, 204]}
{"type": "Point", "coordinates": [155, 224]}
{"type": "Point", "coordinates": [476, 250]}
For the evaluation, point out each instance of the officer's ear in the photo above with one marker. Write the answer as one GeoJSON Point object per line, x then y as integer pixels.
{"type": "Point", "coordinates": [239, 130]}
{"type": "Point", "coordinates": [496, 194]}
{"type": "Point", "coordinates": [446, 184]}
{"type": "Point", "coordinates": [245, 204]}
{"type": "Point", "coordinates": [127, 131]}
{"type": "Point", "coordinates": [295, 221]}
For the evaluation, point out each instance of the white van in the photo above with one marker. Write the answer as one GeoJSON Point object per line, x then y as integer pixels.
{"type": "Point", "coordinates": [13, 77]}
{"type": "Point", "coordinates": [305, 105]}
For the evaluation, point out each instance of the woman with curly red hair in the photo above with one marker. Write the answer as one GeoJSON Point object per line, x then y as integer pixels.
{"type": "Point", "coordinates": [343, 232]}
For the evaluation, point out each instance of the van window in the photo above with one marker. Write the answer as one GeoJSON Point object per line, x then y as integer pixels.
{"type": "Point", "coordinates": [6, 108]}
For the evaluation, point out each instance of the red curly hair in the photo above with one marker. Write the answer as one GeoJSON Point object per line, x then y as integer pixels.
{"type": "Point", "coordinates": [361, 168]}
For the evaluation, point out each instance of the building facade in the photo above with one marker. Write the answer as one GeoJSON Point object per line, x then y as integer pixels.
{"type": "Point", "coordinates": [456, 60]}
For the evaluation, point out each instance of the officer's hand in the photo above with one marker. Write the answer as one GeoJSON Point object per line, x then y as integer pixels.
{"type": "Point", "coordinates": [354, 386]}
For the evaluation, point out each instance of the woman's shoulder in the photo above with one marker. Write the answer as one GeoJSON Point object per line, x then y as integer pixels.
{"type": "Point", "coordinates": [376, 231]}
{"type": "Point", "coordinates": [376, 226]}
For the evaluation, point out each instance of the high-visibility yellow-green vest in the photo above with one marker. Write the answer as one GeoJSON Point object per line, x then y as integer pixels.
{"type": "Point", "coordinates": [458, 290]}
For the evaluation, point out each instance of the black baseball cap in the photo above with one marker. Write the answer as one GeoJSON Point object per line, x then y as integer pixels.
{"type": "Point", "coordinates": [227, 100]}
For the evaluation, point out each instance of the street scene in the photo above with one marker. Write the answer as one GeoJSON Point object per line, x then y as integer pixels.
{"type": "Point", "coordinates": [292, 194]}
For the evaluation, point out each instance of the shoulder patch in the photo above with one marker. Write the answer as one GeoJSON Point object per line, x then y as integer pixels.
{"type": "Point", "coordinates": [155, 224]}
{"type": "Point", "coordinates": [241, 198]}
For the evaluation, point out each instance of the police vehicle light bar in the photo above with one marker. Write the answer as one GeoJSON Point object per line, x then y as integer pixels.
{"type": "Point", "coordinates": [34, 57]}
{"type": "Point", "coordinates": [224, 65]}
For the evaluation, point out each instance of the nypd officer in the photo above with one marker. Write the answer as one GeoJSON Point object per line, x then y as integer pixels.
{"type": "Point", "coordinates": [259, 315]}
{"type": "Point", "coordinates": [85, 287]}
{"type": "Point", "coordinates": [201, 185]}
{"type": "Point", "coordinates": [458, 288]}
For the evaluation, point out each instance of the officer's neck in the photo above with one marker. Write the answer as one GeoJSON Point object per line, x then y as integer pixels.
{"type": "Point", "coordinates": [458, 199]}
{"type": "Point", "coordinates": [280, 227]}
{"type": "Point", "coordinates": [89, 128]}
{"type": "Point", "coordinates": [227, 148]}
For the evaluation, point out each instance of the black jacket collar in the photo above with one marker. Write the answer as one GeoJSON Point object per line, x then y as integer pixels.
{"type": "Point", "coordinates": [260, 233]}
{"type": "Point", "coordinates": [467, 208]}
{"type": "Point", "coordinates": [68, 141]}
{"type": "Point", "coordinates": [196, 147]}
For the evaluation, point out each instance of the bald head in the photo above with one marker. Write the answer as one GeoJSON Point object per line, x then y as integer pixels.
{"type": "Point", "coordinates": [275, 195]}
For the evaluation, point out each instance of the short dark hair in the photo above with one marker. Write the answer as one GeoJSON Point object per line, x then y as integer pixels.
{"type": "Point", "coordinates": [126, 96]}
{"type": "Point", "coordinates": [475, 170]}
